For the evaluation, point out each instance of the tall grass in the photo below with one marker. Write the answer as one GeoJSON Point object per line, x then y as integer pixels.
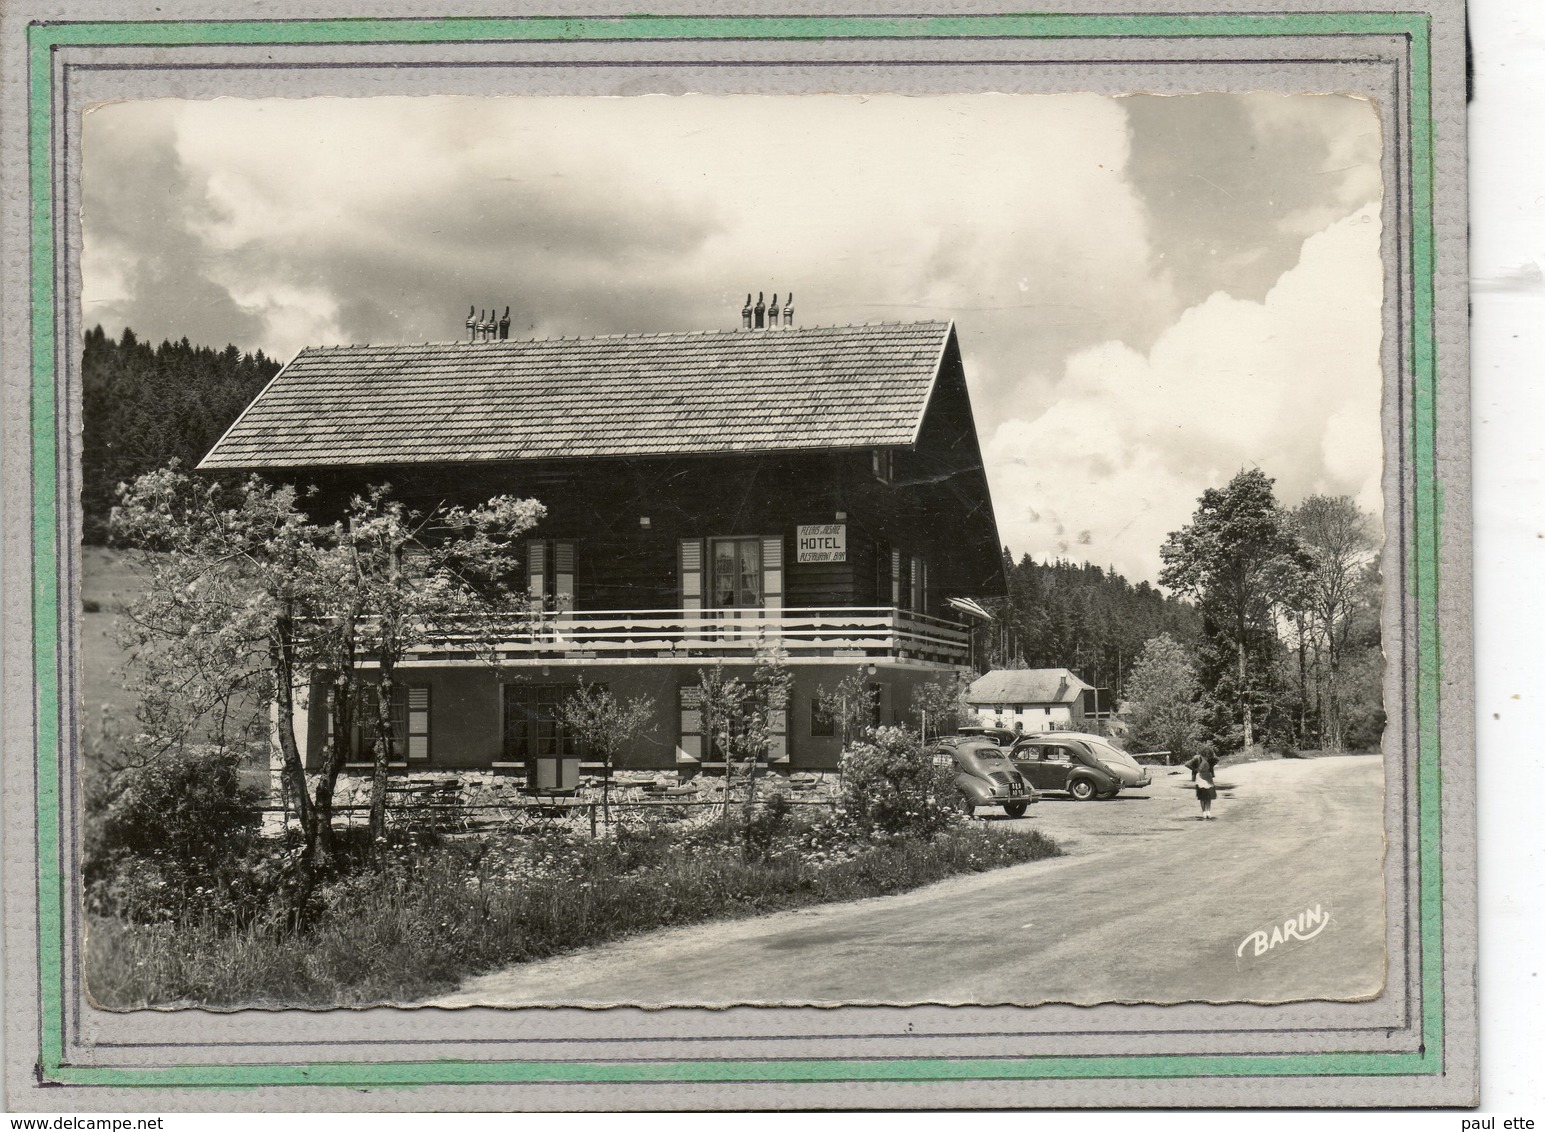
{"type": "Point", "coordinates": [419, 927]}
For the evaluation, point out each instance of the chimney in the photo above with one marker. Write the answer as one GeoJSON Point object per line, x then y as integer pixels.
{"type": "Point", "coordinates": [761, 312]}
{"type": "Point", "coordinates": [788, 310]}
{"type": "Point", "coordinates": [772, 313]}
{"type": "Point", "coordinates": [745, 313]}
{"type": "Point", "coordinates": [471, 324]}
{"type": "Point", "coordinates": [504, 325]}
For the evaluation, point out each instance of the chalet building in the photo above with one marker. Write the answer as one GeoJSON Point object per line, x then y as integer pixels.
{"type": "Point", "coordinates": [1031, 699]}
{"type": "Point", "coordinates": [818, 488]}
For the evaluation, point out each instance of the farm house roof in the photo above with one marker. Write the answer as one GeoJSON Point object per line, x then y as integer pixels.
{"type": "Point", "coordinates": [1026, 686]}
{"type": "Point", "coordinates": [632, 395]}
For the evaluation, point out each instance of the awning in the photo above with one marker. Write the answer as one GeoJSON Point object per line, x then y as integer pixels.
{"type": "Point", "coordinates": [966, 605]}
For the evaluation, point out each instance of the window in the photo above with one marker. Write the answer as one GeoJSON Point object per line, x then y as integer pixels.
{"type": "Point", "coordinates": [550, 573]}
{"type": "Point", "coordinates": [823, 725]}
{"type": "Point", "coordinates": [737, 573]}
{"type": "Point", "coordinates": [533, 727]}
{"type": "Point", "coordinates": [882, 462]}
{"type": "Point", "coordinates": [694, 742]}
{"type": "Point", "coordinates": [744, 572]}
{"type": "Point", "coordinates": [409, 717]}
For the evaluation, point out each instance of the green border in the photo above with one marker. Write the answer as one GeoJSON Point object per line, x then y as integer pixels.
{"type": "Point", "coordinates": [1421, 570]}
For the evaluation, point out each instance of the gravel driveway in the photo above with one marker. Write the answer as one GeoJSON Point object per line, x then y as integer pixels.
{"type": "Point", "coordinates": [1149, 905]}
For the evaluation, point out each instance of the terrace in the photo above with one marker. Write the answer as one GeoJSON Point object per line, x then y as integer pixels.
{"type": "Point", "coordinates": [674, 634]}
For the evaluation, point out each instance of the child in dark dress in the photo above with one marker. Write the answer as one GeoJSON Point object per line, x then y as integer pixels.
{"type": "Point", "coordinates": [1206, 785]}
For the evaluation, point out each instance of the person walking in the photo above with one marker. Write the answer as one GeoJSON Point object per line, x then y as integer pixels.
{"type": "Point", "coordinates": [1202, 766]}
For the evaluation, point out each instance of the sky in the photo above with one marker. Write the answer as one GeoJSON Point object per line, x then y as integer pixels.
{"type": "Point", "coordinates": [1151, 293]}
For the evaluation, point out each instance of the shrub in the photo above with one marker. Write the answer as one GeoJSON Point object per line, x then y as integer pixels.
{"type": "Point", "coordinates": [174, 836]}
{"type": "Point", "coordinates": [428, 918]}
{"type": "Point", "coordinates": [890, 785]}
{"type": "Point", "coordinates": [767, 827]}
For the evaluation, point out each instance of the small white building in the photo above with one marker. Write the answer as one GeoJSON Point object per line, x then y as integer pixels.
{"type": "Point", "coordinates": [1029, 699]}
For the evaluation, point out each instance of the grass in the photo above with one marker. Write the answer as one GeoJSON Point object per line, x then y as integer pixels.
{"type": "Point", "coordinates": [108, 585]}
{"type": "Point", "coordinates": [423, 924]}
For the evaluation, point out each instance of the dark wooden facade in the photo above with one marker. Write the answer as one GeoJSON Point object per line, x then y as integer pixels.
{"type": "Point", "coordinates": [932, 506]}
{"type": "Point", "coordinates": [633, 523]}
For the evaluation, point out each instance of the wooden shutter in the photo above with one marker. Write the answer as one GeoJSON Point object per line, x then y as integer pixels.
{"type": "Point", "coordinates": [536, 572]}
{"type": "Point", "coordinates": [563, 574]}
{"type": "Point", "coordinates": [689, 574]}
{"type": "Point", "coordinates": [690, 703]}
{"type": "Point", "coordinates": [772, 575]}
{"type": "Point", "coordinates": [896, 578]}
{"type": "Point", "coordinates": [418, 721]}
{"type": "Point", "coordinates": [919, 586]}
{"type": "Point", "coordinates": [778, 739]}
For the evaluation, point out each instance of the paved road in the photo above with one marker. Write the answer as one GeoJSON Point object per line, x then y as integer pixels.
{"type": "Point", "coordinates": [1149, 905]}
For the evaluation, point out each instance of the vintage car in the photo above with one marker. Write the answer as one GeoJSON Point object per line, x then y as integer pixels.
{"type": "Point", "coordinates": [1003, 736]}
{"type": "Point", "coordinates": [1085, 766]}
{"type": "Point", "coordinates": [984, 776]}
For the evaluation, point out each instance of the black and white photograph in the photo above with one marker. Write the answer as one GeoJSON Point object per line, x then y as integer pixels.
{"type": "Point", "coordinates": [708, 550]}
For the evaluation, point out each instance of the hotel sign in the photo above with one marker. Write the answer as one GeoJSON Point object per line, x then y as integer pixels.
{"type": "Point", "coordinates": [823, 542]}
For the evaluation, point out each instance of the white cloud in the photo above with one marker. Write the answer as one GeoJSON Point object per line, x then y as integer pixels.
{"type": "Point", "coordinates": [1009, 212]}
{"type": "Point", "coordinates": [1058, 231]}
{"type": "Point", "coordinates": [1290, 384]}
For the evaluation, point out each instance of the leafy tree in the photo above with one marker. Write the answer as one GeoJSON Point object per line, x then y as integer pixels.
{"type": "Point", "coordinates": [605, 725]}
{"type": "Point", "coordinates": [1162, 706]}
{"type": "Point", "coordinates": [771, 683]}
{"type": "Point", "coordinates": [229, 581]}
{"type": "Point", "coordinates": [401, 580]}
{"type": "Point", "coordinates": [1340, 541]}
{"type": "Point", "coordinates": [940, 706]}
{"type": "Point", "coordinates": [722, 701]}
{"type": "Point", "coordinates": [853, 705]}
{"type": "Point", "coordinates": [1240, 558]}
{"type": "Point", "coordinates": [742, 719]}
{"type": "Point", "coordinates": [245, 597]}
{"type": "Point", "coordinates": [1362, 705]}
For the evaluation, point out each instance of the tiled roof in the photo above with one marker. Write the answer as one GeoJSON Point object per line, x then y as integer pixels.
{"type": "Point", "coordinates": [1026, 686]}
{"type": "Point", "coordinates": [658, 394]}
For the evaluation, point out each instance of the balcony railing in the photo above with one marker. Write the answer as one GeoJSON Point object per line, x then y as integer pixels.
{"type": "Point", "coordinates": [673, 633]}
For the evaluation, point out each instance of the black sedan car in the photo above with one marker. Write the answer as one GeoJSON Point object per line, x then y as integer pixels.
{"type": "Point", "coordinates": [1072, 763]}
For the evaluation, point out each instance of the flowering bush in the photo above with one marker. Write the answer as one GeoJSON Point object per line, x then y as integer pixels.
{"type": "Point", "coordinates": [767, 827]}
{"type": "Point", "coordinates": [890, 786]}
{"type": "Point", "coordinates": [172, 837]}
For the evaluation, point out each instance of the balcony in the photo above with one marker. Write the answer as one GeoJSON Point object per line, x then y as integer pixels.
{"type": "Point", "coordinates": [674, 634]}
